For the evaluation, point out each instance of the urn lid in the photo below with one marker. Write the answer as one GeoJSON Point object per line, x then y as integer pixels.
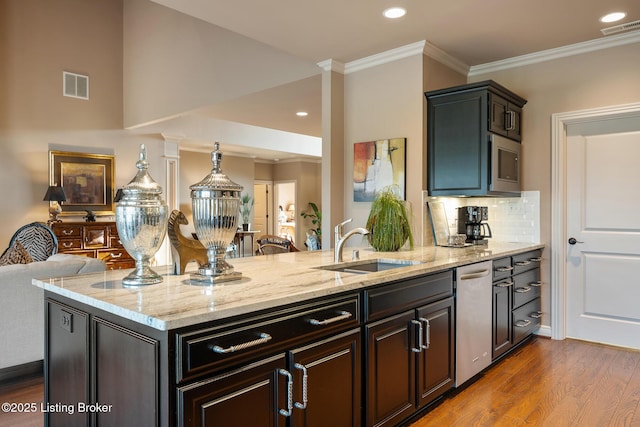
{"type": "Point", "coordinates": [142, 186]}
{"type": "Point", "coordinates": [216, 181]}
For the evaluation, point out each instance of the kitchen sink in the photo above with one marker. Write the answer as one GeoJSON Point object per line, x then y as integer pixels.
{"type": "Point", "coordinates": [369, 266]}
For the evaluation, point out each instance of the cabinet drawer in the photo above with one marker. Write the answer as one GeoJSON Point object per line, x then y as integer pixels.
{"type": "Point", "coordinates": [526, 261]}
{"type": "Point", "coordinates": [395, 297]}
{"type": "Point", "coordinates": [112, 255]}
{"type": "Point", "coordinates": [526, 319]}
{"type": "Point", "coordinates": [63, 231]}
{"type": "Point", "coordinates": [115, 242]}
{"type": "Point", "coordinates": [121, 265]}
{"type": "Point", "coordinates": [502, 268]}
{"type": "Point", "coordinates": [69, 244]}
{"type": "Point", "coordinates": [221, 347]}
{"type": "Point", "coordinates": [526, 286]}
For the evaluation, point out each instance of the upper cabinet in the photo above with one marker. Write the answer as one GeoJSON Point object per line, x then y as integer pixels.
{"type": "Point", "coordinates": [467, 131]}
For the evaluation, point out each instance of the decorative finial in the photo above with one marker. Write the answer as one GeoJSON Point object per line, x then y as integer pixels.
{"type": "Point", "coordinates": [142, 163]}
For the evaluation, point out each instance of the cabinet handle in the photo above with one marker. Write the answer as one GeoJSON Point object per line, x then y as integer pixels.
{"type": "Point", "coordinates": [536, 284]}
{"type": "Point", "coordinates": [341, 316]}
{"type": "Point", "coordinates": [263, 339]}
{"type": "Point", "coordinates": [504, 284]}
{"type": "Point", "coordinates": [503, 269]}
{"type": "Point", "coordinates": [287, 412]}
{"type": "Point", "coordinates": [522, 263]}
{"type": "Point", "coordinates": [475, 275]}
{"type": "Point", "coordinates": [523, 323]}
{"type": "Point", "coordinates": [67, 244]}
{"type": "Point", "coordinates": [420, 344]}
{"type": "Point", "coordinates": [67, 232]}
{"type": "Point", "coordinates": [303, 368]}
{"type": "Point", "coordinates": [511, 120]}
{"type": "Point", "coordinates": [523, 290]}
{"type": "Point", "coordinates": [115, 255]}
{"type": "Point", "coordinates": [427, 333]}
{"type": "Point", "coordinates": [536, 315]}
{"type": "Point", "coordinates": [536, 259]}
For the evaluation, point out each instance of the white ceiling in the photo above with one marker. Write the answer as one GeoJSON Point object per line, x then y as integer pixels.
{"type": "Point", "coordinates": [475, 32]}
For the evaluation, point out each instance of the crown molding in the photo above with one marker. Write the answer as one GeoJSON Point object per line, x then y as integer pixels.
{"type": "Point", "coordinates": [444, 58]}
{"type": "Point", "coordinates": [560, 52]}
{"type": "Point", "coordinates": [332, 65]}
{"type": "Point", "coordinates": [385, 57]}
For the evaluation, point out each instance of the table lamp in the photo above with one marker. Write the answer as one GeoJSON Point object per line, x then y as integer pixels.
{"type": "Point", "coordinates": [54, 195]}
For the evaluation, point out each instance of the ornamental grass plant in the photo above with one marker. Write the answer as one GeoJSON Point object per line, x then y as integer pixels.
{"type": "Point", "coordinates": [388, 222]}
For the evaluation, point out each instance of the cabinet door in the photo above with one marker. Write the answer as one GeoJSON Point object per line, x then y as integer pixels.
{"type": "Point", "coordinates": [498, 108]}
{"type": "Point", "coordinates": [514, 119]}
{"type": "Point", "coordinates": [502, 336]}
{"type": "Point", "coordinates": [458, 155]}
{"type": "Point", "coordinates": [67, 364]}
{"type": "Point", "coordinates": [333, 385]}
{"type": "Point", "coordinates": [249, 396]}
{"type": "Point", "coordinates": [436, 361]}
{"type": "Point", "coordinates": [390, 365]}
{"type": "Point", "coordinates": [126, 369]}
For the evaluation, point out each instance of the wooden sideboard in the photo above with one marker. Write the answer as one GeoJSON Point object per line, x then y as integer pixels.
{"type": "Point", "coordinates": [93, 239]}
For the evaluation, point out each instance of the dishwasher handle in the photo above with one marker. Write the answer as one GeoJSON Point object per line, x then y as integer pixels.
{"type": "Point", "coordinates": [475, 275]}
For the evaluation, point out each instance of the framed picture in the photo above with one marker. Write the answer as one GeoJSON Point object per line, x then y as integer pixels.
{"type": "Point", "coordinates": [87, 181]}
{"type": "Point", "coordinates": [376, 165]}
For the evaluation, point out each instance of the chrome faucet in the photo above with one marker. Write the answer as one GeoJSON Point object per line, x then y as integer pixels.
{"type": "Point", "coordinates": [340, 239]}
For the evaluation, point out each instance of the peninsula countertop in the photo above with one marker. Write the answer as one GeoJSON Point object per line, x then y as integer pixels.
{"type": "Point", "coordinates": [268, 281]}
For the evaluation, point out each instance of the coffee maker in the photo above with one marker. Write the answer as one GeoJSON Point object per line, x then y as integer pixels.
{"type": "Point", "coordinates": [470, 222]}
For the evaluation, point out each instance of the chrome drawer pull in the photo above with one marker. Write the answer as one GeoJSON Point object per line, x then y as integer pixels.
{"type": "Point", "coordinates": [504, 284]}
{"type": "Point", "coordinates": [116, 256]}
{"type": "Point", "coordinates": [427, 335]}
{"type": "Point", "coordinates": [305, 377]}
{"type": "Point", "coordinates": [341, 316]}
{"type": "Point", "coordinates": [67, 232]}
{"type": "Point", "coordinates": [523, 323]}
{"type": "Point", "coordinates": [287, 412]}
{"type": "Point", "coordinates": [420, 344]}
{"type": "Point", "coordinates": [263, 339]}
{"type": "Point", "coordinates": [523, 290]}
{"type": "Point", "coordinates": [511, 119]}
{"type": "Point", "coordinates": [67, 244]}
{"type": "Point", "coordinates": [522, 263]}
{"type": "Point", "coordinates": [536, 284]}
{"type": "Point", "coordinates": [536, 315]}
{"type": "Point", "coordinates": [502, 269]}
{"type": "Point", "coordinates": [536, 259]}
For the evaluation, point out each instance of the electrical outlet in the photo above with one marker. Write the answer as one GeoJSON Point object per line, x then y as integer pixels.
{"type": "Point", "coordinates": [66, 321]}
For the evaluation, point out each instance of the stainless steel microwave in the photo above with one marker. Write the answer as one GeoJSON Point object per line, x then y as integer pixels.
{"type": "Point", "coordinates": [505, 165]}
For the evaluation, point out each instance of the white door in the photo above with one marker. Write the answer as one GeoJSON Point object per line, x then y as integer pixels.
{"type": "Point", "coordinates": [603, 216]}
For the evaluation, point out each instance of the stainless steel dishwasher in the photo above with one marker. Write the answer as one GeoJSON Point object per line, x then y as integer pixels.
{"type": "Point", "coordinates": [474, 294]}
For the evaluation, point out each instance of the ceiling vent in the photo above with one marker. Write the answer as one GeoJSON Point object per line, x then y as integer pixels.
{"type": "Point", "coordinates": [75, 85]}
{"type": "Point", "coordinates": [635, 25]}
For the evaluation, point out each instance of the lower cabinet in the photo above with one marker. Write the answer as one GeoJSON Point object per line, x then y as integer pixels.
{"type": "Point", "coordinates": [409, 360]}
{"type": "Point", "coordinates": [314, 386]}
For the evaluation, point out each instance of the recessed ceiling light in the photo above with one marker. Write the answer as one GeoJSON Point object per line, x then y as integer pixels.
{"type": "Point", "coordinates": [613, 17]}
{"type": "Point", "coordinates": [394, 12]}
{"type": "Point", "coordinates": [302, 114]}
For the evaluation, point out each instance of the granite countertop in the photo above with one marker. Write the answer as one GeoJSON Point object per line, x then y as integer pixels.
{"type": "Point", "coordinates": [268, 281]}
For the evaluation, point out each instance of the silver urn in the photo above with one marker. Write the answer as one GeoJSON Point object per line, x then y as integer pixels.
{"type": "Point", "coordinates": [216, 201]}
{"type": "Point", "coordinates": [141, 219]}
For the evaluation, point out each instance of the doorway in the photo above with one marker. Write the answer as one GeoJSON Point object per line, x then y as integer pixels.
{"type": "Point", "coordinates": [595, 236]}
{"type": "Point", "coordinates": [263, 207]}
{"type": "Point", "coordinates": [285, 203]}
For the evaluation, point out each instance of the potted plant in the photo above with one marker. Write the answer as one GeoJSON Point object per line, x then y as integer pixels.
{"type": "Point", "coordinates": [246, 206]}
{"type": "Point", "coordinates": [316, 220]}
{"type": "Point", "coordinates": [388, 222]}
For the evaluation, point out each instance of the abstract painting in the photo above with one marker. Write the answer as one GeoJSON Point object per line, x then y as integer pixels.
{"type": "Point", "coordinates": [376, 165]}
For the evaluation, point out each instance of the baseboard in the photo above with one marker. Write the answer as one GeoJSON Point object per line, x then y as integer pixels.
{"type": "Point", "coordinates": [544, 331]}
{"type": "Point", "coordinates": [19, 371]}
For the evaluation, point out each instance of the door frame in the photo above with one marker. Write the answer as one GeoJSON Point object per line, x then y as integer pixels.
{"type": "Point", "coordinates": [559, 123]}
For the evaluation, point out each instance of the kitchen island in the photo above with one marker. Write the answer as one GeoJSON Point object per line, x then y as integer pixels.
{"type": "Point", "coordinates": [175, 353]}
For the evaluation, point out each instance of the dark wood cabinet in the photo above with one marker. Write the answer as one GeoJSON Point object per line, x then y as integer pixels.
{"type": "Point", "coordinates": [93, 239]}
{"type": "Point", "coordinates": [516, 300]}
{"type": "Point", "coordinates": [459, 122]}
{"type": "Point", "coordinates": [418, 344]}
{"type": "Point", "coordinates": [252, 395]}
{"type": "Point", "coordinates": [82, 354]}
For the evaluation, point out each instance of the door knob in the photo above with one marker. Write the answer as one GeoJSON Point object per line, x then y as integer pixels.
{"type": "Point", "coordinates": [573, 241]}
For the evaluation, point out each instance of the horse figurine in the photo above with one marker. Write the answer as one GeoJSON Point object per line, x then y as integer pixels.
{"type": "Point", "coordinates": [184, 249]}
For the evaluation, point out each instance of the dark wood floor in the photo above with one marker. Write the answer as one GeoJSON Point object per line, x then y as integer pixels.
{"type": "Point", "coordinates": [545, 383]}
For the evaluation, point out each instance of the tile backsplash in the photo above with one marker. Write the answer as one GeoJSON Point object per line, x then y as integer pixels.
{"type": "Point", "coordinates": [512, 219]}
